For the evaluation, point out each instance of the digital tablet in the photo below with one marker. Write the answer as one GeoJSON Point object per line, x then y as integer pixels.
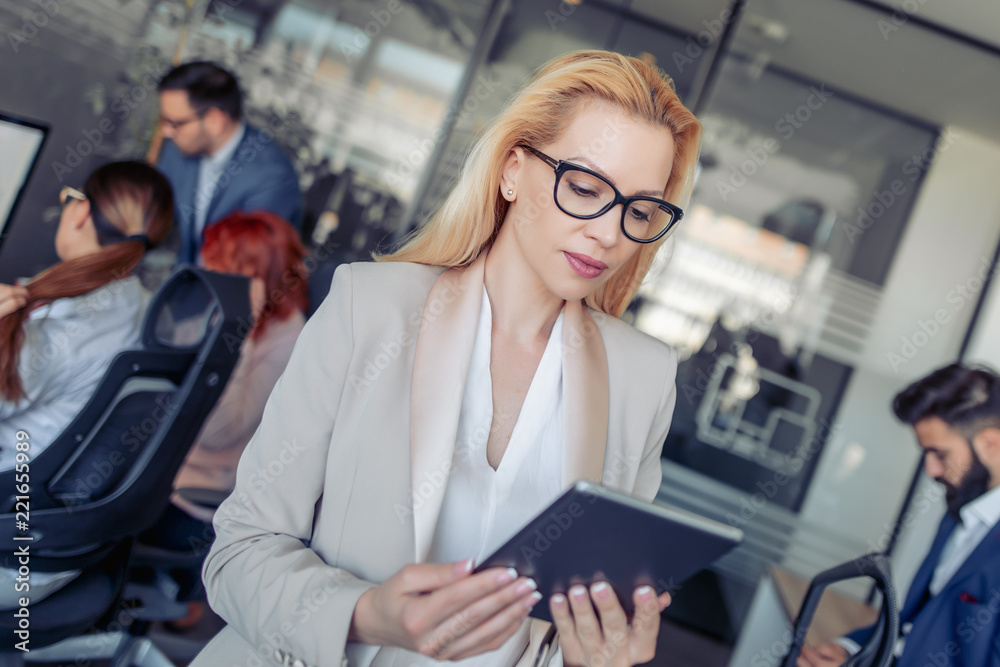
{"type": "Point", "coordinates": [592, 534]}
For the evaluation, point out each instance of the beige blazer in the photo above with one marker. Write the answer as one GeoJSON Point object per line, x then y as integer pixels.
{"type": "Point", "coordinates": [343, 482]}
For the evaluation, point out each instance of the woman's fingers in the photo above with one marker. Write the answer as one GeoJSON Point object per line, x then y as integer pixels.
{"type": "Point", "coordinates": [645, 625]}
{"type": "Point", "coordinates": [614, 624]}
{"type": "Point", "coordinates": [425, 577]}
{"type": "Point", "coordinates": [485, 605]}
{"type": "Point", "coordinates": [12, 298]}
{"type": "Point", "coordinates": [588, 627]}
{"type": "Point", "coordinates": [664, 601]}
{"type": "Point", "coordinates": [498, 625]}
{"type": "Point", "coordinates": [462, 595]}
{"type": "Point", "coordinates": [569, 641]}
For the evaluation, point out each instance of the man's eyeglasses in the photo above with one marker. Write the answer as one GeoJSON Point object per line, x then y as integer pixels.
{"type": "Point", "coordinates": [178, 124]}
{"type": "Point", "coordinates": [68, 193]}
{"type": "Point", "coordinates": [585, 194]}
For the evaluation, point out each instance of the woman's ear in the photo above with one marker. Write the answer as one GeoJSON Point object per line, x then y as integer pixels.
{"type": "Point", "coordinates": [80, 215]}
{"type": "Point", "coordinates": [511, 169]}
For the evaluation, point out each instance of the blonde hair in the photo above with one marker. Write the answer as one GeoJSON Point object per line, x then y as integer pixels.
{"type": "Point", "coordinates": [471, 216]}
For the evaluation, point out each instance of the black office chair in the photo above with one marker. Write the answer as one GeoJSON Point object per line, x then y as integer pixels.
{"type": "Point", "coordinates": [109, 474]}
{"type": "Point", "coordinates": [878, 650]}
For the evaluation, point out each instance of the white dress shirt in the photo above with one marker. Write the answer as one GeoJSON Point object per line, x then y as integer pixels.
{"type": "Point", "coordinates": [210, 169]}
{"type": "Point", "coordinates": [484, 507]}
{"type": "Point", "coordinates": [978, 518]}
{"type": "Point", "coordinates": [68, 345]}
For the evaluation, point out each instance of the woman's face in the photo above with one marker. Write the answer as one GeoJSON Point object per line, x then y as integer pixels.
{"type": "Point", "coordinates": [569, 256]}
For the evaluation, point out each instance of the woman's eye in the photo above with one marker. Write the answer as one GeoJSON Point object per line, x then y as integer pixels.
{"type": "Point", "coordinates": [581, 190]}
{"type": "Point", "coordinates": [639, 215]}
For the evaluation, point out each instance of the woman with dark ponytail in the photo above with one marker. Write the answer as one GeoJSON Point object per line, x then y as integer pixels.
{"type": "Point", "coordinates": [59, 331]}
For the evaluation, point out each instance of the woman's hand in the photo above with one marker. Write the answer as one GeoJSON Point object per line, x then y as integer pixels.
{"type": "Point", "coordinates": [606, 638]}
{"type": "Point", "coordinates": [12, 298]}
{"type": "Point", "coordinates": [824, 655]}
{"type": "Point", "coordinates": [443, 611]}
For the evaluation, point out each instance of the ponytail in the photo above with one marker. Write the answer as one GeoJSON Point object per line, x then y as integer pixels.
{"type": "Point", "coordinates": [138, 201]}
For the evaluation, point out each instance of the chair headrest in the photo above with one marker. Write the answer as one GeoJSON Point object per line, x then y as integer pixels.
{"type": "Point", "coordinates": [188, 307]}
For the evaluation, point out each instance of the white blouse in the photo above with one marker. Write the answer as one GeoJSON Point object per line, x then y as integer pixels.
{"type": "Point", "coordinates": [483, 507]}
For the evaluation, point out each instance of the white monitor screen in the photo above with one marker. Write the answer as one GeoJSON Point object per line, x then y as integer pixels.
{"type": "Point", "coordinates": [20, 142]}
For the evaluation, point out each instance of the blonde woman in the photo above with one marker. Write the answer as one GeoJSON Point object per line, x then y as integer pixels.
{"type": "Point", "coordinates": [442, 397]}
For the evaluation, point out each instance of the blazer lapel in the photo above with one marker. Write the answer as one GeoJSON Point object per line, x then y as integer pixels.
{"type": "Point", "coordinates": [233, 166]}
{"type": "Point", "coordinates": [585, 396]}
{"type": "Point", "coordinates": [988, 549]}
{"type": "Point", "coordinates": [440, 367]}
{"type": "Point", "coordinates": [922, 579]}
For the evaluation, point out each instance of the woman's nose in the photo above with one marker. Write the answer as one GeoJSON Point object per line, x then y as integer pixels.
{"type": "Point", "coordinates": [606, 228]}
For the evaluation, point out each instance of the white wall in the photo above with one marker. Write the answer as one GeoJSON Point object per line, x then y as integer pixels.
{"type": "Point", "coordinates": [985, 344]}
{"type": "Point", "coordinates": [864, 472]}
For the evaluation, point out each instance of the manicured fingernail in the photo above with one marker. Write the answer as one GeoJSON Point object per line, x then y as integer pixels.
{"type": "Point", "coordinates": [558, 598]}
{"type": "Point", "coordinates": [507, 576]}
{"type": "Point", "coordinates": [465, 566]}
{"type": "Point", "coordinates": [578, 591]}
{"type": "Point", "coordinates": [525, 586]}
{"type": "Point", "coordinates": [532, 599]}
{"type": "Point", "coordinates": [600, 590]}
{"type": "Point", "coordinates": [645, 592]}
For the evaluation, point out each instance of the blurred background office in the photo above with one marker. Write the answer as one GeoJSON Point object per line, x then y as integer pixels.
{"type": "Point", "coordinates": [840, 243]}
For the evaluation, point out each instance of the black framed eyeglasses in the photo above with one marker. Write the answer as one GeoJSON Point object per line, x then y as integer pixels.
{"type": "Point", "coordinates": [585, 194]}
{"type": "Point", "coordinates": [67, 193]}
{"type": "Point", "coordinates": [178, 124]}
{"type": "Point", "coordinates": [106, 232]}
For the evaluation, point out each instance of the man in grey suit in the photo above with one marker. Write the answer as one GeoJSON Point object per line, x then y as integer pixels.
{"type": "Point", "coordinates": [216, 163]}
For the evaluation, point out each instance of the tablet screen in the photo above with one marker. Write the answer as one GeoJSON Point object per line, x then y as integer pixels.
{"type": "Point", "coordinates": [591, 534]}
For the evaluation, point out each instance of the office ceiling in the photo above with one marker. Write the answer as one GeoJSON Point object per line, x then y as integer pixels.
{"type": "Point", "coordinates": [979, 19]}
{"type": "Point", "coordinates": [857, 48]}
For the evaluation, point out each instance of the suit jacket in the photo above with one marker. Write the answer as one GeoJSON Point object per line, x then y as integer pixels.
{"type": "Point", "coordinates": [259, 176]}
{"type": "Point", "coordinates": [343, 482]}
{"type": "Point", "coordinates": [960, 626]}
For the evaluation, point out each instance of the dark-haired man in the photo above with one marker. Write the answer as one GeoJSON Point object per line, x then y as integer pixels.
{"type": "Point", "coordinates": [951, 616]}
{"type": "Point", "coordinates": [216, 163]}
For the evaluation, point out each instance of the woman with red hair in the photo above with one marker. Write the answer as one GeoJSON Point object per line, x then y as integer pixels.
{"type": "Point", "coordinates": [266, 249]}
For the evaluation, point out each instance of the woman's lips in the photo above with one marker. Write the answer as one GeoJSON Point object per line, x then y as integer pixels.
{"type": "Point", "coordinates": [586, 267]}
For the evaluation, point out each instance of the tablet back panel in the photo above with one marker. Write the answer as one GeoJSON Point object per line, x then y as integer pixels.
{"type": "Point", "coordinates": [591, 533]}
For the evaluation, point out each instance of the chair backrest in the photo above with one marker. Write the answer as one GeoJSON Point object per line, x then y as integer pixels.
{"type": "Point", "coordinates": [878, 650]}
{"type": "Point", "coordinates": [109, 475]}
